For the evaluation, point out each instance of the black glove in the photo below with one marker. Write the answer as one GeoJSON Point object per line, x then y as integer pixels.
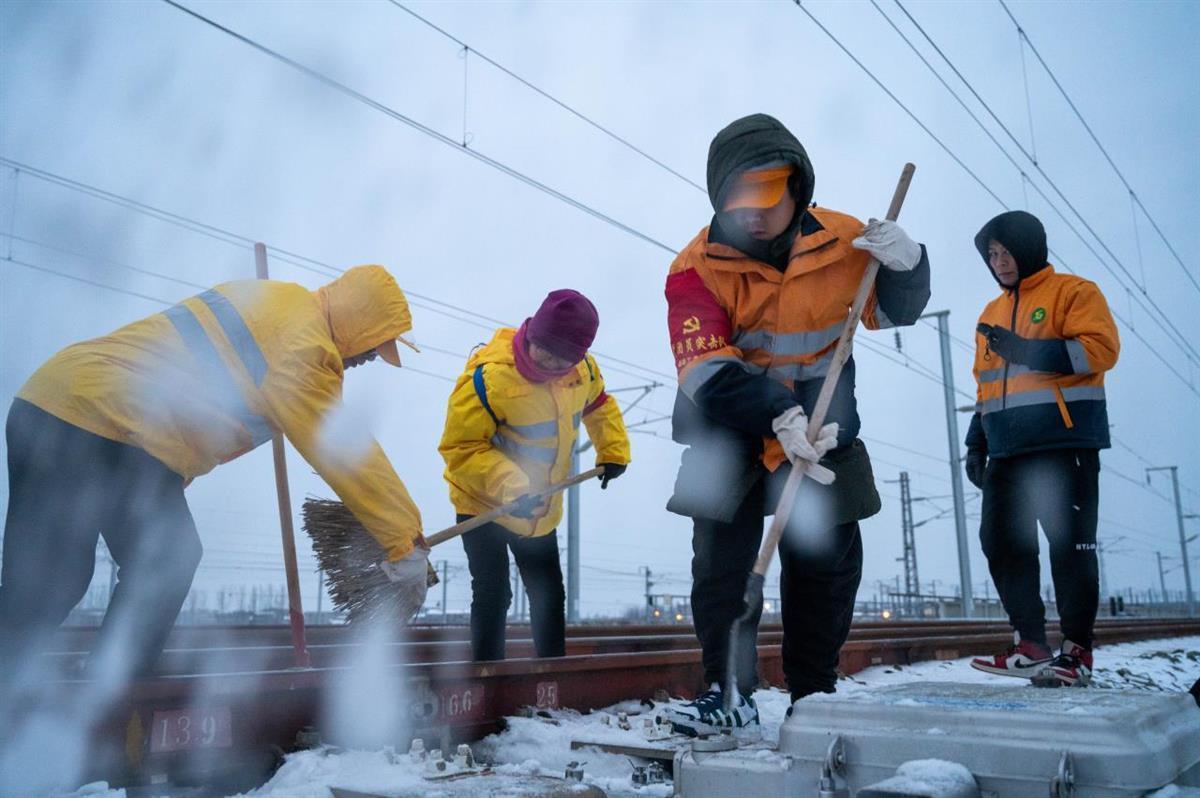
{"type": "Point", "coordinates": [1004, 342]}
{"type": "Point", "coordinates": [611, 471]}
{"type": "Point", "coordinates": [976, 465]}
{"type": "Point", "coordinates": [526, 506]}
{"type": "Point", "coordinates": [1040, 354]}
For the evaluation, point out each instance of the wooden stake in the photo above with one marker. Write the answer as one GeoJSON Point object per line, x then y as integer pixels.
{"type": "Point", "coordinates": [291, 568]}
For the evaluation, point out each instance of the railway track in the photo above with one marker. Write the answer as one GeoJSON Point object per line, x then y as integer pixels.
{"type": "Point", "coordinates": [227, 703]}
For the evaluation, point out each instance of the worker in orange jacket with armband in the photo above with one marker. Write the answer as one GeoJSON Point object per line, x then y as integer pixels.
{"type": "Point", "coordinates": [1041, 352]}
{"type": "Point", "coordinates": [104, 437]}
{"type": "Point", "coordinates": [511, 427]}
{"type": "Point", "coordinates": [755, 306]}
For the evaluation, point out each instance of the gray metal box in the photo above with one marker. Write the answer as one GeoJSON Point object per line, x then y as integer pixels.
{"type": "Point", "coordinates": [1016, 741]}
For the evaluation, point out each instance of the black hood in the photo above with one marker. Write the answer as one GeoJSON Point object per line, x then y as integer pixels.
{"type": "Point", "coordinates": [756, 140]}
{"type": "Point", "coordinates": [750, 142]}
{"type": "Point", "coordinates": [1022, 235]}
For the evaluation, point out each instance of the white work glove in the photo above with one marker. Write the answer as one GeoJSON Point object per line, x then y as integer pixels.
{"type": "Point", "coordinates": [409, 574]}
{"type": "Point", "coordinates": [791, 428]}
{"type": "Point", "coordinates": [889, 245]}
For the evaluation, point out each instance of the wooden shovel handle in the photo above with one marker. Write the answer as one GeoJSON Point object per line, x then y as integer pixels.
{"type": "Point", "coordinates": [840, 355]}
{"type": "Point", "coordinates": [498, 512]}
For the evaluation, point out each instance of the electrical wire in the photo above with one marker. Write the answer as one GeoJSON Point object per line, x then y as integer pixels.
{"type": "Point", "coordinates": [561, 104]}
{"type": "Point", "coordinates": [1107, 157]}
{"type": "Point", "coordinates": [342, 88]}
{"type": "Point", "coordinates": [980, 181]}
{"type": "Point", "coordinates": [1179, 339]}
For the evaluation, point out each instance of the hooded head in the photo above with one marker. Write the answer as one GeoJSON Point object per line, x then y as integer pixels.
{"type": "Point", "coordinates": [745, 163]}
{"type": "Point", "coordinates": [752, 143]}
{"type": "Point", "coordinates": [366, 310]}
{"type": "Point", "coordinates": [1022, 234]}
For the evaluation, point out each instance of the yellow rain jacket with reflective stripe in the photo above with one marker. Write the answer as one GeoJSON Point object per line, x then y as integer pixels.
{"type": "Point", "coordinates": [211, 378]}
{"type": "Point", "coordinates": [1022, 410]}
{"type": "Point", "coordinates": [506, 436]}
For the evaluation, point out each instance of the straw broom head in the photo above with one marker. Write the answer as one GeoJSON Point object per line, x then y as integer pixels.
{"type": "Point", "coordinates": [350, 558]}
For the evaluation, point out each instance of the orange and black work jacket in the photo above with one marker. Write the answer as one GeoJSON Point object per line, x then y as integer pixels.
{"type": "Point", "coordinates": [1023, 408]}
{"type": "Point", "coordinates": [751, 340]}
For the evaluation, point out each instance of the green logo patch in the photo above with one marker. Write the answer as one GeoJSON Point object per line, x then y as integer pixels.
{"type": "Point", "coordinates": [1038, 315]}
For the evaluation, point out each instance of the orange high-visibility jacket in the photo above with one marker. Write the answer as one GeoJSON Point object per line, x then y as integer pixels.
{"type": "Point", "coordinates": [725, 308]}
{"type": "Point", "coordinates": [1021, 410]}
{"type": "Point", "coordinates": [506, 436]}
{"type": "Point", "coordinates": [213, 377]}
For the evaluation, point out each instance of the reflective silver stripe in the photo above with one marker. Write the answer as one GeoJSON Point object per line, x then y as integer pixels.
{"type": "Point", "coordinates": [1018, 400]}
{"type": "Point", "coordinates": [543, 429]}
{"type": "Point", "coordinates": [993, 375]}
{"type": "Point", "coordinates": [1079, 359]}
{"type": "Point", "coordinates": [1085, 393]}
{"type": "Point", "coordinates": [703, 371]}
{"type": "Point", "coordinates": [800, 343]}
{"type": "Point", "coordinates": [215, 371]}
{"type": "Point", "coordinates": [238, 333]}
{"type": "Point", "coordinates": [575, 419]}
{"type": "Point", "coordinates": [800, 371]}
{"type": "Point", "coordinates": [527, 451]}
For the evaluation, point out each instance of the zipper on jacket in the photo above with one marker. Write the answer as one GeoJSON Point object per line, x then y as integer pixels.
{"type": "Point", "coordinates": [1013, 324]}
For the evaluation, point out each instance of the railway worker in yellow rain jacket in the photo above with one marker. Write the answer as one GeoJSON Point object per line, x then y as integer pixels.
{"type": "Point", "coordinates": [104, 437]}
{"type": "Point", "coordinates": [510, 430]}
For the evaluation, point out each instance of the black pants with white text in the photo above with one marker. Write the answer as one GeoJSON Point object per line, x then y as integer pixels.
{"type": "Point", "coordinates": [1059, 489]}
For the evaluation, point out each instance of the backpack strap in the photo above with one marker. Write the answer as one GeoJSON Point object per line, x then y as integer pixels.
{"type": "Point", "coordinates": [481, 392]}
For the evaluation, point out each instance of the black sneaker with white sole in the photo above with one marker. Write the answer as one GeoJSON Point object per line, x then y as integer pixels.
{"type": "Point", "coordinates": [707, 715]}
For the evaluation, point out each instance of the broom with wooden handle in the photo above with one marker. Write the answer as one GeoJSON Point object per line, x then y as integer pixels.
{"type": "Point", "coordinates": [753, 597]}
{"type": "Point", "coordinates": [350, 556]}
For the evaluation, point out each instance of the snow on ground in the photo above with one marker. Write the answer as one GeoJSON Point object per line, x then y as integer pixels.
{"type": "Point", "coordinates": [531, 748]}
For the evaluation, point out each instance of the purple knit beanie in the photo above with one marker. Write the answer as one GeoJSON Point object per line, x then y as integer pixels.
{"type": "Point", "coordinates": [565, 324]}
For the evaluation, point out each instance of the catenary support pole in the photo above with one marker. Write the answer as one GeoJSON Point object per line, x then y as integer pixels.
{"type": "Point", "coordinates": [1162, 579]}
{"type": "Point", "coordinates": [295, 608]}
{"type": "Point", "coordinates": [1187, 570]}
{"type": "Point", "coordinates": [956, 486]}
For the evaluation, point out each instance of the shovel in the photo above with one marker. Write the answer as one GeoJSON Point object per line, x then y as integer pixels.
{"type": "Point", "coordinates": [752, 599]}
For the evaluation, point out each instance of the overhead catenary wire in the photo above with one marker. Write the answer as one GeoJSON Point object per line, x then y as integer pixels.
{"type": "Point", "coordinates": [560, 103]}
{"type": "Point", "coordinates": [297, 260]}
{"type": "Point", "coordinates": [1180, 338]}
{"type": "Point", "coordinates": [917, 120]}
{"type": "Point", "coordinates": [1177, 338]}
{"type": "Point", "coordinates": [1079, 115]}
{"type": "Point", "coordinates": [342, 88]}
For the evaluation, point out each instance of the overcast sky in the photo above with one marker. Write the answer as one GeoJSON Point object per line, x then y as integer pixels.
{"type": "Point", "coordinates": [141, 100]}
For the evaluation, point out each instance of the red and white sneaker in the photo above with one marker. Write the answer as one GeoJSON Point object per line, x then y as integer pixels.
{"type": "Point", "coordinates": [1073, 665]}
{"type": "Point", "coordinates": [1023, 659]}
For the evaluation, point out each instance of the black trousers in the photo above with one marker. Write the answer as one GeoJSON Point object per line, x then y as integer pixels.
{"type": "Point", "coordinates": [819, 581]}
{"type": "Point", "coordinates": [491, 591]}
{"type": "Point", "coordinates": [67, 487]}
{"type": "Point", "coordinates": [1060, 489]}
